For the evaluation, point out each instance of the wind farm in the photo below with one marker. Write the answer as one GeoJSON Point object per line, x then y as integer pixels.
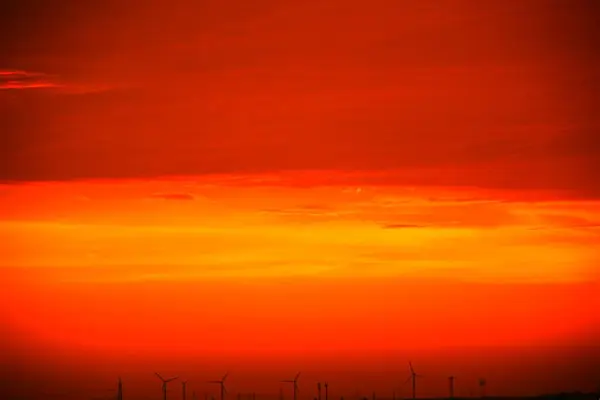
{"type": "Point", "coordinates": [342, 396]}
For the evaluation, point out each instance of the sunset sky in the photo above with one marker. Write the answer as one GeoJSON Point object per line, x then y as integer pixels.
{"type": "Point", "coordinates": [338, 186]}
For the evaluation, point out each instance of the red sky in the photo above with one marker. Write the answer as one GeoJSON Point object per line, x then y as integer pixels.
{"type": "Point", "coordinates": [284, 182]}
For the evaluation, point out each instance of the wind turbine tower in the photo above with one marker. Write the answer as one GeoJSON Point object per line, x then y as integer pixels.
{"type": "Point", "coordinates": [120, 390]}
{"type": "Point", "coordinates": [413, 377]}
{"type": "Point", "coordinates": [164, 385]}
{"type": "Point", "coordinates": [222, 384]}
{"type": "Point", "coordinates": [482, 383]}
{"type": "Point", "coordinates": [183, 384]}
{"type": "Point", "coordinates": [326, 391]}
{"type": "Point", "coordinates": [295, 383]}
{"type": "Point", "coordinates": [451, 383]}
{"type": "Point", "coordinates": [319, 390]}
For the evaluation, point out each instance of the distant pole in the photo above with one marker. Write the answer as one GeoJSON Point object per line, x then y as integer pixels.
{"type": "Point", "coordinates": [319, 390]}
{"type": "Point", "coordinates": [394, 395]}
{"type": "Point", "coordinates": [482, 383]}
{"type": "Point", "coordinates": [120, 390]}
{"type": "Point", "coordinates": [451, 383]}
{"type": "Point", "coordinates": [280, 394]}
{"type": "Point", "coordinates": [326, 391]}
{"type": "Point", "coordinates": [374, 397]}
{"type": "Point", "coordinates": [183, 389]}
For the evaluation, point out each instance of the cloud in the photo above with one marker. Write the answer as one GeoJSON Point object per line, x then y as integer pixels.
{"type": "Point", "coordinates": [16, 80]}
{"type": "Point", "coordinates": [403, 226]}
{"type": "Point", "coordinates": [174, 196]}
{"type": "Point", "coordinates": [564, 221]}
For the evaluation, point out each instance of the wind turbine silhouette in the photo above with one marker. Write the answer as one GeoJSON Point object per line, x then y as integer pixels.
{"type": "Point", "coordinates": [326, 391]}
{"type": "Point", "coordinates": [319, 390]}
{"type": "Point", "coordinates": [295, 382]}
{"type": "Point", "coordinates": [120, 390]}
{"type": "Point", "coordinates": [413, 376]}
{"type": "Point", "coordinates": [164, 385]}
{"type": "Point", "coordinates": [482, 383]}
{"type": "Point", "coordinates": [451, 383]}
{"type": "Point", "coordinates": [222, 384]}
{"type": "Point", "coordinates": [183, 383]}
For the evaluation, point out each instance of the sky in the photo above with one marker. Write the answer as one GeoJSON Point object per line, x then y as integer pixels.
{"type": "Point", "coordinates": [332, 186]}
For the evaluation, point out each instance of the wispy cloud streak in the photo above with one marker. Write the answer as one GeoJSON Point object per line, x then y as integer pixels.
{"type": "Point", "coordinates": [16, 80]}
{"type": "Point", "coordinates": [28, 80]}
{"type": "Point", "coordinates": [174, 196]}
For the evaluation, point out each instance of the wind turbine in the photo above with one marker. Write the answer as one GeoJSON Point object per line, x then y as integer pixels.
{"type": "Point", "coordinates": [482, 383]}
{"type": "Point", "coordinates": [326, 391]}
{"type": "Point", "coordinates": [164, 385]}
{"type": "Point", "coordinates": [413, 376]}
{"type": "Point", "coordinates": [183, 389]}
{"type": "Point", "coordinates": [295, 382]}
{"type": "Point", "coordinates": [451, 383]}
{"type": "Point", "coordinates": [222, 384]}
{"type": "Point", "coordinates": [120, 390]}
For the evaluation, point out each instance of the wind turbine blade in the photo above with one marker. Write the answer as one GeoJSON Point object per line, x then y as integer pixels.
{"type": "Point", "coordinates": [297, 376]}
{"type": "Point", "coordinates": [407, 380]}
{"type": "Point", "coordinates": [225, 376]}
{"type": "Point", "coordinates": [288, 381]}
{"type": "Point", "coordinates": [411, 367]}
{"type": "Point", "coordinates": [213, 381]}
{"type": "Point", "coordinates": [159, 377]}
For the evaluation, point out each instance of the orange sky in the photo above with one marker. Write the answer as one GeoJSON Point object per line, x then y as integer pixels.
{"type": "Point", "coordinates": [285, 178]}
